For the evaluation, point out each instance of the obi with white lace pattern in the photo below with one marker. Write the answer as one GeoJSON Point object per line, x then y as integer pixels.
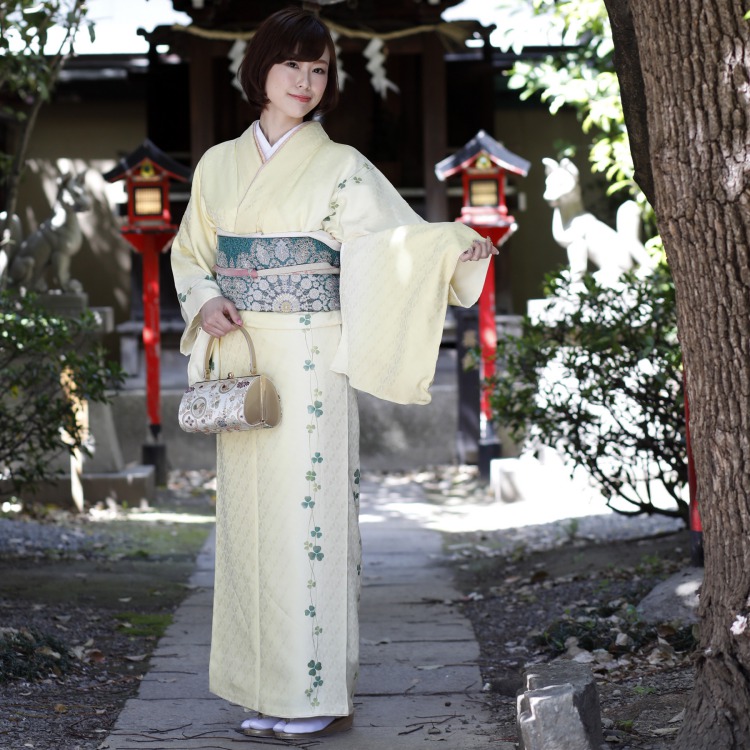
{"type": "Point", "coordinates": [279, 273]}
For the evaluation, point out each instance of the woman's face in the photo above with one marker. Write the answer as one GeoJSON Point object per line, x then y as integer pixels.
{"type": "Point", "coordinates": [295, 88]}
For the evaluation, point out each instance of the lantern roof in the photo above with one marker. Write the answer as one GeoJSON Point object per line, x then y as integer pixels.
{"type": "Point", "coordinates": [147, 150]}
{"type": "Point", "coordinates": [482, 142]}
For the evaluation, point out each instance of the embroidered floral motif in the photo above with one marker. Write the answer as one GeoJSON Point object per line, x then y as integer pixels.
{"type": "Point", "coordinates": [356, 178]}
{"type": "Point", "coordinates": [182, 296]}
{"type": "Point", "coordinates": [285, 303]}
{"type": "Point", "coordinates": [282, 293]}
{"type": "Point", "coordinates": [315, 408]}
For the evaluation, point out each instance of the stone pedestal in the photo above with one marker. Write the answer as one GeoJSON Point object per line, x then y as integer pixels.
{"type": "Point", "coordinates": [65, 304]}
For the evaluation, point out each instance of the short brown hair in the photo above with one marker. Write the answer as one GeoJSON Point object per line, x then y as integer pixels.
{"type": "Point", "coordinates": [289, 34]}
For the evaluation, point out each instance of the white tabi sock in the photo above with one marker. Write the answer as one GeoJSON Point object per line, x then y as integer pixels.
{"type": "Point", "coordinates": [261, 722]}
{"type": "Point", "coordinates": [306, 726]}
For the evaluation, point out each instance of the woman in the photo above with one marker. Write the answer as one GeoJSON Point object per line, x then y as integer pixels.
{"type": "Point", "coordinates": [340, 284]}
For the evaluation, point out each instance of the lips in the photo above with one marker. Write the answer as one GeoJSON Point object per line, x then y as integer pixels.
{"type": "Point", "coordinates": [303, 99]}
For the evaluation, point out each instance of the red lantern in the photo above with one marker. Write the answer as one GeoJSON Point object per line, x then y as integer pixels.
{"type": "Point", "coordinates": [483, 163]}
{"type": "Point", "coordinates": [147, 172]}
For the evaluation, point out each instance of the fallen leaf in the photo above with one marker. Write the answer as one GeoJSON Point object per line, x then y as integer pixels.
{"type": "Point", "coordinates": [60, 708]}
{"type": "Point", "coordinates": [138, 657]}
{"type": "Point", "coordinates": [431, 666]}
{"type": "Point", "coordinates": [680, 716]}
{"type": "Point", "coordinates": [665, 731]}
{"type": "Point", "coordinates": [126, 599]}
{"type": "Point", "coordinates": [47, 651]}
{"type": "Point", "coordinates": [94, 655]}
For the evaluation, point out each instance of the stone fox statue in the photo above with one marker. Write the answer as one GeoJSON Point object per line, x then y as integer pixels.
{"type": "Point", "coordinates": [584, 237]}
{"type": "Point", "coordinates": [43, 258]}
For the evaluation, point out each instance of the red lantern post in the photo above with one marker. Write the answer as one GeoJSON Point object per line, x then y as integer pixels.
{"type": "Point", "coordinates": [149, 230]}
{"type": "Point", "coordinates": [483, 163]}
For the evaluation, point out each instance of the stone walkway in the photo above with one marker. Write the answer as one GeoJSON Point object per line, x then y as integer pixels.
{"type": "Point", "coordinates": [419, 676]}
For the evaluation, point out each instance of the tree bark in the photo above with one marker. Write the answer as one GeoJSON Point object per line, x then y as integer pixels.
{"type": "Point", "coordinates": [628, 65]}
{"type": "Point", "coordinates": [694, 61]}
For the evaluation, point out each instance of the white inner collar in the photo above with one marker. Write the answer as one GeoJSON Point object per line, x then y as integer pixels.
{"type": "Point", "coordinates": [267, 149]}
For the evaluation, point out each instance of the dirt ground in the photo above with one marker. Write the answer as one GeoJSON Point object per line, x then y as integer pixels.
{"type": "Point", "coordinates": [81, 609]}
{"type": "Point", "coordinates": [578, 601]}
{"type": "Point", "coordinates": [81, 617]}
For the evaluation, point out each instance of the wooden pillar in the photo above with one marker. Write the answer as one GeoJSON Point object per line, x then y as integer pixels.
{"type": "Point", "coordinates": [202, 98]}
{"type": "Point", "coordinates": [434, 126]}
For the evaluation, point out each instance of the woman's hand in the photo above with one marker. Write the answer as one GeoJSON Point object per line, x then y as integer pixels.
{"type": "Point", "coordinates": [479, 249]}
{"type": "Point", "coordinates": [219, 316]}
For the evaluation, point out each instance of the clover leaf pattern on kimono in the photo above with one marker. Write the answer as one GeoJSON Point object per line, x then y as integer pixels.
{"type": "Point", "coordinates": [314, 542]}
{"type": "Point", "coordinates": [356, 178]}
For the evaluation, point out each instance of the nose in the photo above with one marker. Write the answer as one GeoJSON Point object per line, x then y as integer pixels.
{"type": "Point", "coordinates": [304, 79]}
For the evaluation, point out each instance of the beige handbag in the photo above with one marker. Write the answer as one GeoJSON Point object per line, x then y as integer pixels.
{"type": "Point", "coordinates": [230, 404]}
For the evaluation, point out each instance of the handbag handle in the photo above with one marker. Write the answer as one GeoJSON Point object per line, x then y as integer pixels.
{"type": "Point", "coordinates": [209, 349]}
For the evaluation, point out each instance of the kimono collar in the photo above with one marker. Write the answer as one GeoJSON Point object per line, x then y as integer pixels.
{"type": "Point", "coordinates": [264, 146]}
{"type": "Point", "coordinates": [294, 152]}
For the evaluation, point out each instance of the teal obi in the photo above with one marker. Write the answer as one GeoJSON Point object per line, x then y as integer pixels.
{"type": "Point", "coordinates": [269, 273]}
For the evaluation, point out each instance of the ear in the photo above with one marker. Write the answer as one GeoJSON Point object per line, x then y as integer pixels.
{"type": "Point", "coordinates": [568, 165]}
{"type": "Point", "coordinates": [550, 165]}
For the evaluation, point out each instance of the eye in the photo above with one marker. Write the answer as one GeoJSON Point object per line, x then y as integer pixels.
{"type": "Point", "coordinates": [322, 71]}
{"type": "Point", "coordinates": [291, 64]}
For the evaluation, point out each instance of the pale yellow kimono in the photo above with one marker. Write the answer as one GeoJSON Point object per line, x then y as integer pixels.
{"type": "Point", "coordinates": [288, 562]}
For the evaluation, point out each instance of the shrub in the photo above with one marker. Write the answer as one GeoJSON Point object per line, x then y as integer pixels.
{"type": "Point", "coordinates": [600, 379]}
{"type": "Point", "coordinates": [48, 365]}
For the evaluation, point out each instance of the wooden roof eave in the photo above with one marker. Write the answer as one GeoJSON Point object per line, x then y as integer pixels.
{"type": "Point", "coordinates": [147, 150]}
{"type": "Point", "coordinates": [482, 142]}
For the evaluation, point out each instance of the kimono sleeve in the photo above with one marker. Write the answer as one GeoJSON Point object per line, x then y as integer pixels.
{"type": "Point", "coordinates": [398, 274]}
{"type": "Point", "coordinates": [193, 254]}
{"type": "Point", "coordinates": [365, 203]}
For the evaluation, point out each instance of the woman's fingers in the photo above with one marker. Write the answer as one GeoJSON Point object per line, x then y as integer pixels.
{"type": "Point", "coordinates": [219, 316]}
{"type": "Point", "coordinates": [479, 249]}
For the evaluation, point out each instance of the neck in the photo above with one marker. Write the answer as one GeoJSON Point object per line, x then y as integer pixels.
{"type": "Point", "coordinates": [274, 127]}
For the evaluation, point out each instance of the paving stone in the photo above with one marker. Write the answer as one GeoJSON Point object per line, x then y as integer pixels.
{"type": "Point", "coordinates": [402, 679]}
{"type": "Point", "coordinates": [421, 653]}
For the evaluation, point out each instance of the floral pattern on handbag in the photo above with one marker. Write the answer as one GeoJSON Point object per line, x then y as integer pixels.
{"type": "Point", "coordinates": [230, 404]}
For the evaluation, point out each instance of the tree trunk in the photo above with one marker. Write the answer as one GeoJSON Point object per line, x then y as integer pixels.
{"type": "Point", "coordinates": [694, 61]}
